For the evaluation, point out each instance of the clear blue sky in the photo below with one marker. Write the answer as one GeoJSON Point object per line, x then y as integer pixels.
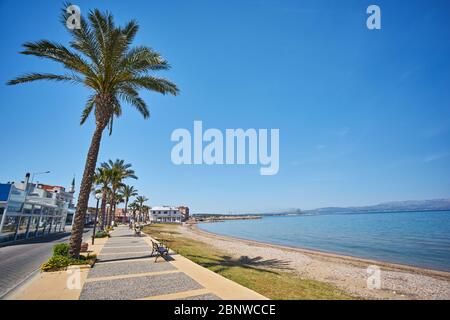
{"type": "Point", "coordinates": [364, 116]}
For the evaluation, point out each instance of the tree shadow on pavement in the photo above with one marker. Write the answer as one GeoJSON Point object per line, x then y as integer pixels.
{"type": "Point", "coordinates": [221, 263]}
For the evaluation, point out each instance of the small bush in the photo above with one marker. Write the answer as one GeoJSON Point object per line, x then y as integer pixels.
{"type": "Point", "coordinates": [101, 234]}
{"type": "Point", "coordinates": [57, 263]}
{"type": "Point", "coordinates": [61, 259]}
{"type": "Point", "coordinates": [61, 249]}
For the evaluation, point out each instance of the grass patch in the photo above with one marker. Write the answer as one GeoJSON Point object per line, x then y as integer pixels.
{"type": "Point", "coordinates": [271, 278]}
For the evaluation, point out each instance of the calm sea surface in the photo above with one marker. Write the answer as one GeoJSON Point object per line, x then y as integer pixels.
{"type": "Point", "coordinates": [414, 238]}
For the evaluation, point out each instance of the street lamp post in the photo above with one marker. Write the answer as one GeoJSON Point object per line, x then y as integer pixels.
{"type": "Point", "coordinates": [98, 197]}
{"type": "Point", "coordinates": [27, 190]}
{"type": "Point", "coordinates": [37, 173]}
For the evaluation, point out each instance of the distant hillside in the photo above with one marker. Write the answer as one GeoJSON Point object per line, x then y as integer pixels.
{"type": "Point", "coordinates": [410, 205]}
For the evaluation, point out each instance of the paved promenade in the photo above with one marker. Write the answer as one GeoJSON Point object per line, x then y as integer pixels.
{"type": "Point", "coordinates": [126, 270]}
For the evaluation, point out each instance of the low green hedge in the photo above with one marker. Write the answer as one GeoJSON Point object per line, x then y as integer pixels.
{"type": "Point", "coordinates": [61, 259]}
{"type": "Point", "coordinates": [101, 234]}
{"type": "Point", "coordinates": [61, 249]}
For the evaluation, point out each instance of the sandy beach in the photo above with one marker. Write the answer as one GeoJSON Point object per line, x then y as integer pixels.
{"type": "Point", "coordinates": [347, 273]}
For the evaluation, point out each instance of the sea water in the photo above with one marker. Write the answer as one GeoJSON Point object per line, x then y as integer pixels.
{"type": "Point", "coordinates": [414, 238]}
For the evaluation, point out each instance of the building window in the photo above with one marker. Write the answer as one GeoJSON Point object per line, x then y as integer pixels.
{"type": "Point", "coordinates": [14, 206]}
{"type": "Point", "coordinates": [41, 226]}
{"type": "Point", "coordinates": [27, 208]}
{"type": "Point", "coordinates": [9, 228]}
{"type": "Point", "coordinates": [33, 226]}
{"type": "Point", "coordinates": [37, 209]}
{"type": "Point", "coordinates": [22, 229]}
{"type": "Point", "coordinates": [49, 225]}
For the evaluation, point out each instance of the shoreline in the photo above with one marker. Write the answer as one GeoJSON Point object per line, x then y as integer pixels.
{"type": "Point", "coordinates": [348, 273]}
{"type": "Point", "coordinates": [344, 258]}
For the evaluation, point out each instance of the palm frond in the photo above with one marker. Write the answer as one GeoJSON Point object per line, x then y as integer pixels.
{"type": "Point", "coordinates": [130, 31]}
{"type": "Point", "coordinates": [130, 96]}
{"type": "Point", "coordinates": [99, 28]}
{"type": "Point", "coordinates": [88, 109]}
{"type": "Point", "coordinates": [162, 86]}
{"type": "Point", "coordinates": [142, 59]}
{"type": "Point", "coordinates": [59, 53]}
{"type": "Point", "coordinates": [29, 77]}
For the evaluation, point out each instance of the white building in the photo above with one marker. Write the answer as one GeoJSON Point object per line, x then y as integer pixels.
{"type": "Point", "coordinates": [30, 210]}
{"type": "Point", "coordinates": [165, 214]}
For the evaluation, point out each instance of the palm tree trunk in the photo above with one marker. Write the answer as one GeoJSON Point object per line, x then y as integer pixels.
{"type": "Point", "coordinates": [125, 211]}
{"type": "Point", "coordinates": [103, 210]}
{"type": "Point", "coordinates": [108, 215]}
{"type": "Point", "coordinates": [112, 210]}
{"type": "Point", "coordinates": [114, 214]}
{"type": "Point", "coordinates": [85, 189]}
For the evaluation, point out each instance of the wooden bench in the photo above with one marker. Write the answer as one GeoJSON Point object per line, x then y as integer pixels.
{"type": "Point", "coordinates": [160, 250]}
{"type": "Point", "coordinates": [138, 231]}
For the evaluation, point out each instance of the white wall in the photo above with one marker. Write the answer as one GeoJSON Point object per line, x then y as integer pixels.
{"type": "Point", "coordinates": [169, 216]}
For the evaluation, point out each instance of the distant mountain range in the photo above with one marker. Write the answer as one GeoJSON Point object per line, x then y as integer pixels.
{"type": "Point", "coordinates": [394, 206]}
{"type": "Point", "coordinates": [410, 205]}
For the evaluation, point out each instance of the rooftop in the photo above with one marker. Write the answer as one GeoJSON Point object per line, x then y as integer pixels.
{"type": "Point", "coordinates": [162, 208]}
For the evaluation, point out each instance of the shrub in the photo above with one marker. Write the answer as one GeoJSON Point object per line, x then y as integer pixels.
{"type": "Point", "coordinates": [101, 234]}
{"type": "Point", "coordinates": [61, 249]}
{"type": "Point", "coordinates": [57, 263]}
{"type": "Point", "coordinates": [61, 259]}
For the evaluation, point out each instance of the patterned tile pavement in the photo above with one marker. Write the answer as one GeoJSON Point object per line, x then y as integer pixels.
{"type": "Point", "coordinates": [127, 270]}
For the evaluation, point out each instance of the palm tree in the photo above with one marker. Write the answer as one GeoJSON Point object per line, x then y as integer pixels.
{"type": "Point", "coordinates": [94, 191]}
{"type": "Point", "coordinates": [102, 178]}
{"type": "Point", "coordinates": [127, 192]}
{"type": "Point", "coordinates": [134, 206]}
{"type": "Point", "coordinates": [100, 58]}
{"type": "Point", "coordinates": [119, 170]}
{"type": "Point", "coordinates": [117, 200]}
{"type": "Point", "coordinates": [145, 210]}
{"type": "Point", "coordinates": [140, 202]}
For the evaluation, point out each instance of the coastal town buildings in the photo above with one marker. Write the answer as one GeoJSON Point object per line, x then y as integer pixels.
{"type": "Point", "coordinates": [184, 212]}
{"type": "Point", "coordinates": [120, 215]}
{"type": "Point", "coordinates": [166, 214]}
{"type": "Point", "coordinates": [90, 216]}
{"type": "Point", "coordinates": [30, 210]}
